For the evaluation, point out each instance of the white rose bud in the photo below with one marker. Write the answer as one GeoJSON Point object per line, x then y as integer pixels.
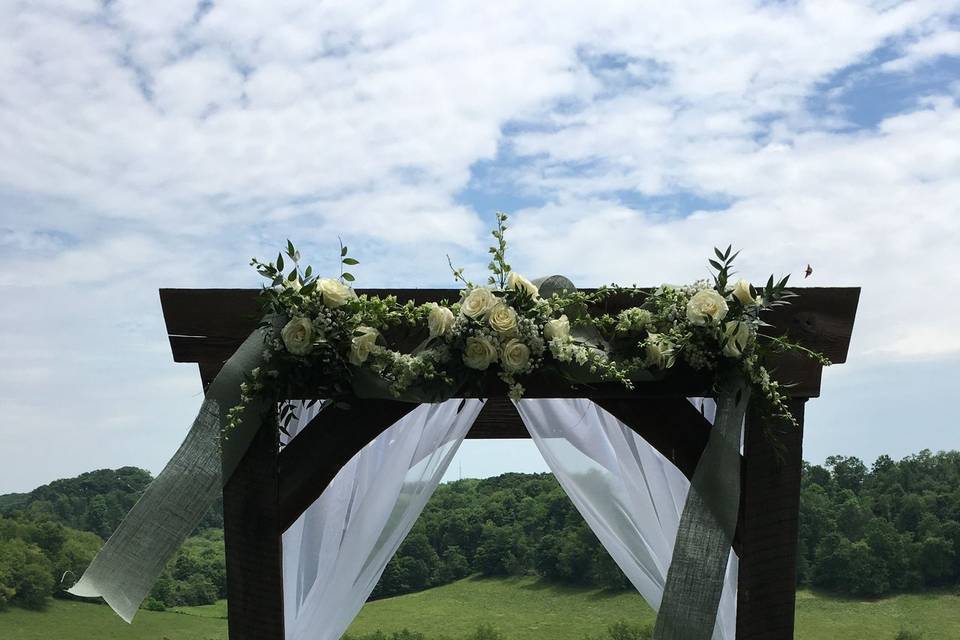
{"type": "Point", "coordinates": [297, 336]}
{"type": "Point", "coordinates": [517, 282]}
{"type": "Point", "coordinates": [479, 352]}
{"type": "Point", "coordinates": [706, 306]}
{"type": "Point", "coordinates": [363, 344]}
{"type": "Point", "coordinates": [515, 357]}
{"type": "Point", "coordinates": [440, 320]}
{"type": "Point", "coordinates": [335, 293]}
{"type": "Point", "coordinates": [736, 336]}
{"type": "Point", "coordinates": [503, 319]}
{"type": "Point", "coordinates": [293, 284]}
{"type": "Point", "coordinates": [741, 291]}
{"type": "Point", "coordinates": [660, 351]}
{"type": "Point", "coordinates": [557, 328]}
{"type": "Point", "coordinates": [478, 302]}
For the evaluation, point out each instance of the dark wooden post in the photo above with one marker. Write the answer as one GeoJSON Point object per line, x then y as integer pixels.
{"type": "Point", "coordinates": [252, 533]}
{"type": "Point", "coordinates": [770, 509]}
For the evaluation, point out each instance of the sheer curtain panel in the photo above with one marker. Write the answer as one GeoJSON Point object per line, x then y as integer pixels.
{"type": "Point", "coordinates": [630, 495]}
{"type": "Point", "coordinates": [334, 554]}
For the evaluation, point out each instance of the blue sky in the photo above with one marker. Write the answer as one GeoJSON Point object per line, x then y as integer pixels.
{"type": "Point", "coordinates": [163, 146]}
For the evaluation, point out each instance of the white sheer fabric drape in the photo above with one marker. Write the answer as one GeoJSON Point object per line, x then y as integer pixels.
{"type": "Point", "coordinates": [630, 495]}
{"type": "Point", "coordinates": [334, 554]}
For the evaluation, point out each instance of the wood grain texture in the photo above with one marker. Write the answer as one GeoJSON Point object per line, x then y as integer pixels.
{"type": "Point", "coordinates": [326, 443]}
{"type": "Point", "coordinates": [769, 527]}
{"type": "Point", "coordinates": [253, 546]}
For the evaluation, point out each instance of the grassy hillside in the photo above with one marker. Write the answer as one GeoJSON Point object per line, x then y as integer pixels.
{"type": "Point", "coordinates": [523, 608]}
{"type": "Point", "coordinates": [88, 621]}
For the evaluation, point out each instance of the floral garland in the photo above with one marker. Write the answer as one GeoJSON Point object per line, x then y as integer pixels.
{"type": "Point", "coordinates": [336, 343]}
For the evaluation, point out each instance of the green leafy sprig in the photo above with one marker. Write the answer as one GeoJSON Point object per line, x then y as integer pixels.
{"type": "Point", "coordinates": [498, 266]}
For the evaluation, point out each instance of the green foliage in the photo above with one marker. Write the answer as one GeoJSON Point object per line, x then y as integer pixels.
{"type": "Point", "coordinates": [95, 501]}
{"type": "Point", "coordinates": [893, 527]}
{"type": "Point", "coordinates": [623, 630]}
{"type": "Point", "coordinates": [486, 632]}
{"type": "Point", "coordinates": [49, 536]}
{"type": "Point", "coordinates": [26, 574]}
{"type": "Point", "coordinates": [195, 576]}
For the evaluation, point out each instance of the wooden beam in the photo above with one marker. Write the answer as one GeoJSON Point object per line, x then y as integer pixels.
{"type": "Point", "coordinates": [820, 317]}
{"type": "Point", "coordinates": [498, 419]}
{"type": "Point", "coordinates": [309, 463]}
{"type": "Point", "coordinates": [207, 325]}
{"type": "Point", "coordinates": [769, 527]}
{"type": "Point", "coordinates": [313, 458]}
{"type": "Point", "coordinates": [253, 545]}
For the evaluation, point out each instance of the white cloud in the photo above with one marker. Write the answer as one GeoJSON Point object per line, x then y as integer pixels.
{"type": "Point", "coordinates": [147, 145]}
{"type": "Point", "coordinates": [936, 45]}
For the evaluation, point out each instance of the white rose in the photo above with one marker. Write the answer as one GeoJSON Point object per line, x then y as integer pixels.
{"type": "Point", "coordinates": [297, 336]}
{"type": "Point", "coordinates": [741, 291]}
{"type": "Point", "coordinates": [362, 344]}
{"type": "Point", "coordinates": [706, 306]}
{"type": "Point", "coordinates": [335, 293]}
{"type": "Point", "coordinates": [517, 282]}
{"type": "Point", "coordinates": [503, 319]}
{"type": "Point", "coordinates": [478, 302]}
{"type": "Point", "coordinates": [736, 337]}
{"type": "Point", "coordinates": [660, 351]}
{"type": "Point", "coordinates": [557, 328]}
{"type": "Point", "coordinates": [440, 320]}
{"type": "Point", "coordinates": [479, 352]}
{"type": "Point", "coordinates": [515, 357]}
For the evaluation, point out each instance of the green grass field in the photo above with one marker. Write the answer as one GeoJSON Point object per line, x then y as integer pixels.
{"type": "Point", "coordinates": [523, 608]}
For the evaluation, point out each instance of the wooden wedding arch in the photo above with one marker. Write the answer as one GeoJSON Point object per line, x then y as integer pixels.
{"type": "Point", "coordinates": [271, 488]}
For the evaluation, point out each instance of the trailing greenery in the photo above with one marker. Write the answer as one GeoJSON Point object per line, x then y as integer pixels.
{"type": "Point", "coordinates": [335, 344]}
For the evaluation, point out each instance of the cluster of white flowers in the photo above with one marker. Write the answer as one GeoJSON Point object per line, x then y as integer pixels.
{"type": "Point", "coordinates": [404, 370]}
{"type": "Point", "coordinates": [491, 329]}
{"type": "Point", "coordinates": [633, 320]}
{"type": "Point", "coordinates": [507, 325]}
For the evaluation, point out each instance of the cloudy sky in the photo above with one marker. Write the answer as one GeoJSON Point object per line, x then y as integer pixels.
{"type": "Point", "coordinates": [147, 145]}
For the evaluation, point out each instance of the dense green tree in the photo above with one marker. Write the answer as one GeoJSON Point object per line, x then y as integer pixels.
{"type": "Point", "coordinates": [607, 573]}
{"type": "Point", "coordinates": [850, 567]}
{"type": "Point", "coordinates": [27, 574]}
{"type": "Point", "coordinates": [848, 472]}
{"type": "Point", "coordinates": [502, 551]}
{"type": "Point", "coordinates": [935, 558]}
{"type": "Point", "coordinates": [453, 565]}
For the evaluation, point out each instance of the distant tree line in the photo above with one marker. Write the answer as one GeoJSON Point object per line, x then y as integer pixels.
{"type": "Point", "coordinates": [50, 535]}
{"type": "Point", "coordinates": [513, 524]}
{"type": "Point", "coordinates": [894, 526]}
{"type": "Point", "coordinates": [864, 532]}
